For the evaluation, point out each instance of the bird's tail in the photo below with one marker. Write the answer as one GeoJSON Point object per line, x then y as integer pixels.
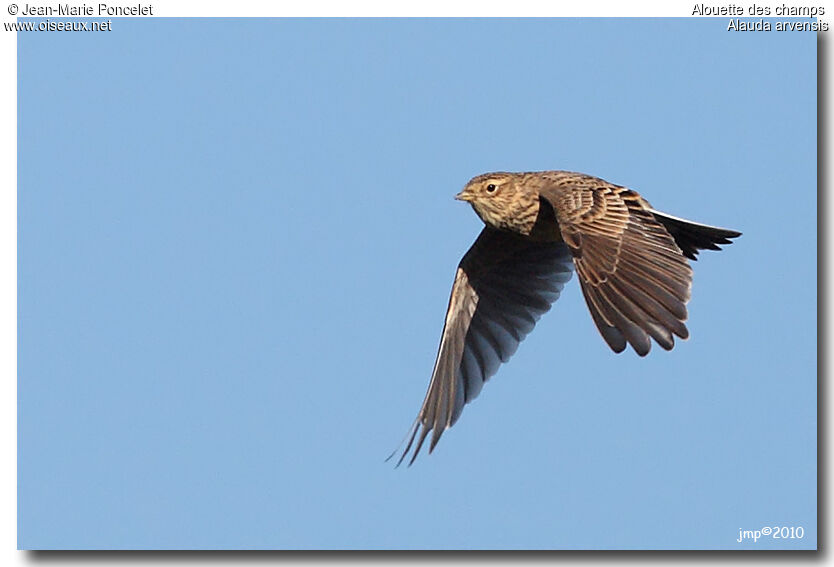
{"type": "Point", "coordinates": [692, 236]}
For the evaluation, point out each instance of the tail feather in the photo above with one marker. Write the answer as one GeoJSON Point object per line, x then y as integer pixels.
{"type": "Point", "coordinates": [692, 236]}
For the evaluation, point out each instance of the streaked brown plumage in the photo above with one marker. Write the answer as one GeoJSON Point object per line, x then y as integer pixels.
{"type": "Point", "coordinates": [631, 261]}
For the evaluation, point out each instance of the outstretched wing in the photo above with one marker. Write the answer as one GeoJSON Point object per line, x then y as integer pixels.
{"type": "Point", "coordinates": [502, 286]}
{"type": "Point", "coordinates": [634, 277]}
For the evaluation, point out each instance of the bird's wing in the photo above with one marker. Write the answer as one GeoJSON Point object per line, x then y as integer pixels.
{"type": "Point", "coordinates": [502, 286]}
{"type": "Point", "coordinates": [634, 277]}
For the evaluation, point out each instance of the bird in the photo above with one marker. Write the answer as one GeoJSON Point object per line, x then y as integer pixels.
{"type": "Point", "coordinates": [631, 260]}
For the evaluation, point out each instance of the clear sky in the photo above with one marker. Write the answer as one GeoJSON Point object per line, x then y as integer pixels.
{"type": "Point", "coordinates": [236, 244]}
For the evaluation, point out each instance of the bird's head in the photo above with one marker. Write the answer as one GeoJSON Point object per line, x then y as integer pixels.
{"type": "Point", "coordinates": [501, 200]}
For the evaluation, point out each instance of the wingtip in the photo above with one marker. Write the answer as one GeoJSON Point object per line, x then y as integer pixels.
{"type": "Point", "coordinates": [436, 434]}
{"type": "Point", "coordinates": [412, 433]}
{"type": "Point", "coordinates": [423, 435]}
{"type": "Point", "coordinates": [642, 349]}
{"type": "Point", "coordinates": [402, 458]}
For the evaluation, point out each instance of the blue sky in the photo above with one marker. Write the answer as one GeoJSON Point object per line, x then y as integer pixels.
{"type": "Point", "coordinates": [236, 244]}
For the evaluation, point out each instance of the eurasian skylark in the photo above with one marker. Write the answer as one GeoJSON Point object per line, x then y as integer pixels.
{"type": "Point", "coordinates": [631, 261]}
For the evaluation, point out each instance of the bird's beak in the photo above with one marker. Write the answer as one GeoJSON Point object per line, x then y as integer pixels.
{"type": "Point", "coordinates": [462, 196]}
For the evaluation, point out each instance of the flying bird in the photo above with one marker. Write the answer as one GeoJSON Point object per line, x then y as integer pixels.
{"type": "Point", "coordinates": [631, 261]}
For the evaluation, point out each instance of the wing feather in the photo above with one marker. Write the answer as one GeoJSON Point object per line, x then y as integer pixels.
{"type": "Point", "coordinates": [635, 279]}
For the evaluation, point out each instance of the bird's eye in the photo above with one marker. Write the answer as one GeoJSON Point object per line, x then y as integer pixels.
{"type": "Point", "coordinates": [491, 188]}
